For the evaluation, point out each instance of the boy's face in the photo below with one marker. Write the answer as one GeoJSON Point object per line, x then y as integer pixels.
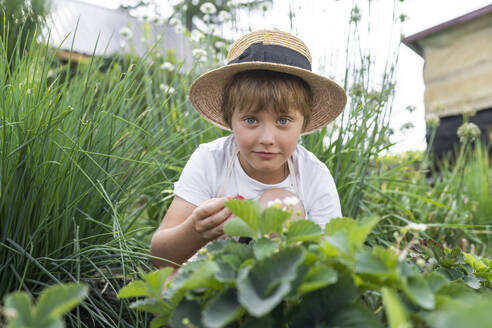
{"type": "Point", "coordinates": [266, 140]}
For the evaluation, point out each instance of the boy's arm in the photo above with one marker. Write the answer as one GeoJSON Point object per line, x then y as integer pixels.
{"type": "Point", "coordinates": [186, 228]}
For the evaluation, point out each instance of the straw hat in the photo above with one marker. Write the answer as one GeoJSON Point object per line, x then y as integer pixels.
{"type": "Point", "coordinates": [275, 51]}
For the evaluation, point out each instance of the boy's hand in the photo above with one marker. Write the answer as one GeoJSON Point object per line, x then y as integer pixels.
{"type": "Point", "coordinates": [208, 219]}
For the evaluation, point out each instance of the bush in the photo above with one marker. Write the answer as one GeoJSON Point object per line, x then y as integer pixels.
{"type": "Point", "coordinates": [306, 277]}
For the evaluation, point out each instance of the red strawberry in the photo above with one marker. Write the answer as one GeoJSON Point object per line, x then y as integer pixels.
{"type": "Point", "coordinates": [239, 197]}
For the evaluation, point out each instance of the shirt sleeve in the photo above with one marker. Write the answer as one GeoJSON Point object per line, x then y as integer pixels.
{"type": "Point", "coordinates": [324, 203]}
{"type": "Point", "coordinates": [193, 184]}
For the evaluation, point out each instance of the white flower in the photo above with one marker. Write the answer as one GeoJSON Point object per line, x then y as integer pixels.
{"type": "Point", "coordinates": [406, 126]}
{"type": "Point", "coordinates": [417, 226]}
{"type": "Point", "coordinates": [165, 87]}
{"type": "Point", "coordinates": [468, 131]}
{"type": "Point", "coordinates": [291, 201]}
{"type": "Point", "coordinates": [179, 29]}
{"type": "Point", "coordinates": [437, 108]}
{"type": "Point", "coordinates": [206, 18]}
{"type": "Point", "coordinates": [196, 35]}
{"type": "Point", "coordinates": [220, 44]}
{"type": "Point", "coordinates": [195, 2]}
{"type": "Point", "coordinates": [174, 21]}
{"type": "Point", "coordinates": [410, 108]}
{"type": "Point", "coordinates": [126, 32]}
{"type": "Point", "coordinates": [469, 112]}
{"type": "Point", "coordinates": [275, 203]}
{"type": "Point", "coordinates": [224, 15]}
{"type": "Point", "coordinates": [199, 54]}
{"type": "Point", "coordinates": [167, 66]}
{"type": "Point", "coordinates": [208, 8]}
{"type": "Point", "coordinates": [432, 120]}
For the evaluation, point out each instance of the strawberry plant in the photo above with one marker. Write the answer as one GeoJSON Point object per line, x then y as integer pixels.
{"type": "Point", "coordinates": [294, 274]}
{"type": "Point", "coordinates": [53, 302]}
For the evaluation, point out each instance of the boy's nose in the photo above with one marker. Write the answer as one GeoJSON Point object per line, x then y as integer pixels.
{"type": "Point", "coordinates": [267, 136]}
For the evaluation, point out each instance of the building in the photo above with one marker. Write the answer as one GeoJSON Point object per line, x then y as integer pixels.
{"type": "Point", "coordinates": [457, 74]}
{"type": "Point", "coordinates": [86, 29]}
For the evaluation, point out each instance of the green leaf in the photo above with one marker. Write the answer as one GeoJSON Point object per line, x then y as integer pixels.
{"type": "Point", "coordinates": [318, 277]}
{"type": "Point", "coordinates": [242, 251]}
{"type": "Point", "coordinates": [203, 276]}
{"type": "Point", "coordinates": [159, 321]}
{"type": "Point", "coordinates": [272, 220]}
{"type": "Point", "coordinates": [248, 210]}
{"type": "Point", "coordinates": [20, 306]}
{"type": "Point", "coordinates": [303, 230]}
{"type": "Point", "coordinates": [472, 281]}
{"type": "Point", "coordinates": [152, 306]}
{"type": "Point", "coordinates": [254, 300]}
{"type": "Point", "coordinates": [186, 313]}
{"type": "Point", "coordinates": [475, 263]}
{"type": "Point", "coordinates": [226, 273]}
{"type": "Point", "coordinates": [435, 280]}
{"type": "Point", "coordinates": [156, 280]}
{"type": "Point", "coordinates": [50, 323]}
{"type": "Point", "coordinates": [377, 266]}
{"type": "Point", "coordinates": [263, 322]}
{"type": "Point", "coordinates": [151, 285]}
{"type": "Point", "coordinates": [137, 288]}
{"type": "Point", "coordinates": [222, 310]}
{"type": "Point", "coordinates": [395, 312]}
{"type": "Point", "coordinates": [354, 316]}
{"type": "Point", "coordinates": [357, 231]}
{"type": "Point", "coordinates": [57, 300]}
{"type": "Point", "coordinates": [263, 286]}
{"type": "Point", "coordinates": [318, 306]}
{"type": "Point", "coordinates": [418, 290]}
{"type": "Point", "coordinates": [340, 241]}
{"type": "Point", "coordinates": [475, 312]}
{"type": "Point", "coordinates": [264, 247]}
{"type": "Point", "coordinates": [237, 227]}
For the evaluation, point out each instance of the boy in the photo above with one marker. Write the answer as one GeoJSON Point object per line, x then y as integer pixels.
{"type": "Point", "coordinates": [268, 96]}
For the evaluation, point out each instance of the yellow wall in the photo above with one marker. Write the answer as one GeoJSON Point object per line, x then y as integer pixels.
{"type": "Point", "coordinates": [458, 68]}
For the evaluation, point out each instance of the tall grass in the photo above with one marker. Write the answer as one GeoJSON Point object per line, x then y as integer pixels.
{"type": "Point", "coordinates": [87, 160]}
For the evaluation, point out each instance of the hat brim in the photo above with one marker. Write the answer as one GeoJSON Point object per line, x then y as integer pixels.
{"type": "Point", "coordinates": [205, 93]}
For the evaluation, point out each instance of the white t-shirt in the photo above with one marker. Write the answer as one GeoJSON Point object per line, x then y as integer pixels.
{"type": "Point", "coordinates": [203, 176]}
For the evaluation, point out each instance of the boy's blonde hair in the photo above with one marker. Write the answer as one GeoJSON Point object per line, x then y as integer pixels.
{"type": "Point", "coordinates": [258, 90]}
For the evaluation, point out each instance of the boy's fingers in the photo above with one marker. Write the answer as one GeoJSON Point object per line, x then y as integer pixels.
{"type": "Point", "coordinates": [210, 207]}
{"type": "Point", "coordinates": [215, 220]}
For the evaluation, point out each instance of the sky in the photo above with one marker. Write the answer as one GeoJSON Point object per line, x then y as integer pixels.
{"type": "Point", "coordinates": [323, 26]}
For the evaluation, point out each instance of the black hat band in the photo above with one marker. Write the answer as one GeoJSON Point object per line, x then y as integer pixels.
{"type": "Point", "coordinates": [270, 53]}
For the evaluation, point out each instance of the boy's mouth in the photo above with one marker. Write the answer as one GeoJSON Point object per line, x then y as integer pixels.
{"type": "Point", "coordinates": [264, 154]}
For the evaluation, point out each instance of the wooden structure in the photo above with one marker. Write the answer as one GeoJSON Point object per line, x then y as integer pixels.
{"type": "Point", "coordinates": [85, 29]}
{"type": "Point", "coordinates": [457, 74]}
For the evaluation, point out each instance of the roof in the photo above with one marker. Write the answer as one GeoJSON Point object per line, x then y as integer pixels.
{"type": "Point", "coordinates": [96, 31]}
{"type": "Point", "coordinates": [412, 40]}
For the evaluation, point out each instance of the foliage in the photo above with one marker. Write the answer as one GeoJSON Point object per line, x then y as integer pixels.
{"type": "Point", "coordinates": [19, 22]}
{"type": "Point", "coordinates": [87, 160]}
{"type": "Point", "coordinates": [306, 277]}
{"type": "Point", "coordinates": [52, 303]}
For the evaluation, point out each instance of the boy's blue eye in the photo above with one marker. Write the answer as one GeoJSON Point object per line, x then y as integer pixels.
{"type": "Point", "coordinates": [250, 120]}
{"type": "Point", "coordinates": [283, 121]}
